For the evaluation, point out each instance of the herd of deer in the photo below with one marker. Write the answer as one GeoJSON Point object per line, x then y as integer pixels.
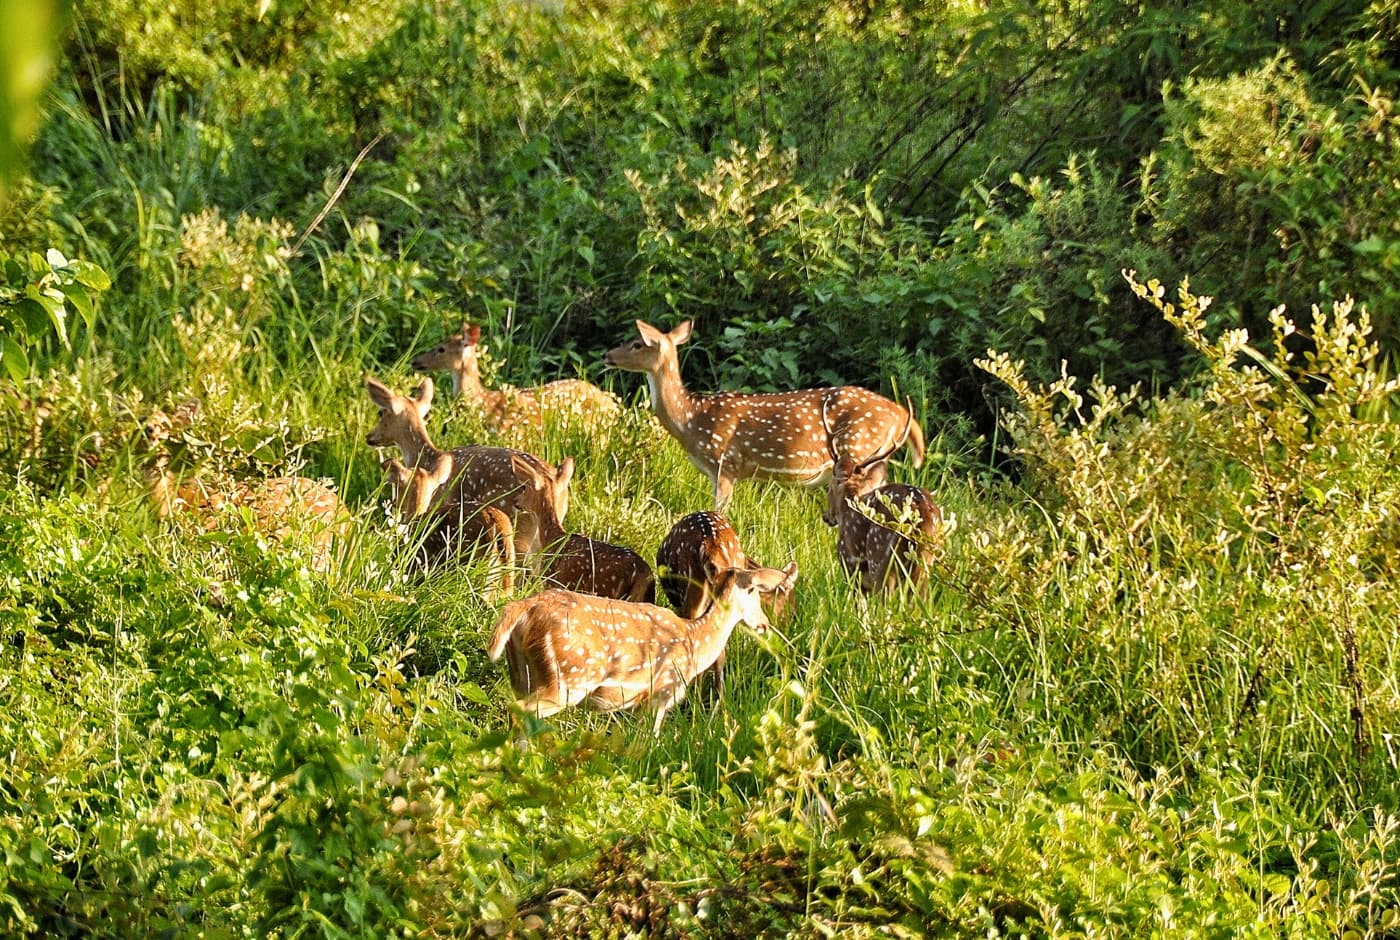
{"type": "Point", "coordinates": [595, 635]}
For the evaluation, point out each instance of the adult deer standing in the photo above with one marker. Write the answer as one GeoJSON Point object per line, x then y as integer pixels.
{"type": "Point", "coordinates": [882, 530]}
{"type": "Point", "coordinates": [473, 476]}
{"type": "Point", "coordinates": [734, 436]}
{"type": "Point", "coordinates": [577, 562]}
{"type": "Point", "coordinates": [449, 528]}
{"type": "Point", "coordinates": [564, 648]}
{"type": "Point", "coordinates": [507, 408]}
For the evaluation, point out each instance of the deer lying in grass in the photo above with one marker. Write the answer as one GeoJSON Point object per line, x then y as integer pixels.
{"type": "Point", "coordinates": [449, 529]}
{"type": "Point", "coordinates": [691, 558]}
{"type": "Point", "coordinates": [281, 508]}
{"type": "Point", "coordinates": [507, 408]}
{"type": "Point", "coordinates": [882, 530]}
{"type": "Point", "coordinates": [564, 648]}
{"type": "Point", "coordinates": [733, 436]}
{"type": "Point", "coordinates": [577, 562]}
{"type": "Point", "coordinates": [471, 477]}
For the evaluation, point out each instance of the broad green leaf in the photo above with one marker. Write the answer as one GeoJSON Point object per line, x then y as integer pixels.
{"type": "Point", "coordinates": [89, 274]}
{"type": "Point", "coordinates": [78, 296]}
{"type": "Point", "coordinates": [12, 358]}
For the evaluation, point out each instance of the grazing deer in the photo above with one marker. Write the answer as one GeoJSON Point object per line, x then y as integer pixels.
{"type": "Point", "coordinates": [279, 507]}
{"type": "Point", "coordinates": [506, 408]}
{"type": "Point", "coordinates": [733, 436]}
{"type": "Point", "coordinates": [577, 562]}
{"type": "Point", "coordinates": [697, 549]}
{"type": "Point", "coordinates": [472, 477]}
{"type": "Point", "coordinates": [882, 530]}
{"type": "Point", "coordinates": [564, 648]}
{"type": "Point", "coordinates": [449, 528]}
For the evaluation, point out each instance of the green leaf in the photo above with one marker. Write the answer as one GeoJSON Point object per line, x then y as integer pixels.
{"type": "Point", "coordinates": [80, 299]}
{"type": "Point", "coordinates": [89, 274]}
{"type": "Point", "coordinates": [12, 358]}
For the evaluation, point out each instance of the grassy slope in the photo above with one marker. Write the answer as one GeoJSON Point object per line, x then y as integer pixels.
{"type": "Point", "coordinates": [197, 710]}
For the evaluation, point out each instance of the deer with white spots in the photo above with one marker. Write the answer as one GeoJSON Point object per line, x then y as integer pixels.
{"type": "Point", "coordinates": [507, 408]}
{"type": "Point", "coordinates": [449, 528]}
{"type": "Point", "coordinates": [282, 508]}
{"type": "Point", "coordinates": [577, 562]}
{"type": "Point", "coordinates": [469, 477]}
{"type": "Point", "coordinates": [689, 562]}
{"type": "Point", "coordinates": [733, 436]}
{"type": "Point", "coordinates": [884, 530]}
{"type": "Point", "coordinates": [564, 648]}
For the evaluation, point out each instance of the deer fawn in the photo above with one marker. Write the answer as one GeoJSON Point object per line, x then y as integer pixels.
{"type": "Point", "coordinates": [577, 562]}
{"type": "Point", "coordinates": [733, 436]}
{"type": "Point", "coordinates": [279, 507]}
{"type": "Point", "coordinates": [872, 521]}
{"type": "Point", "coordinates": [564, 648]}
{"type": "Point", "coordinates": [472, 477]}
{"type": "Point", "coordinates": [505, 409]}
{"type": "Point", "coordinates": [449, 528]}
{"type": "Point", "coordinates": [697, 549]}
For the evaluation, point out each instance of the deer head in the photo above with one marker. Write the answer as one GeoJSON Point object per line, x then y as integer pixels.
{"type": "Point", "coordinates": [652, 353]}
{"type": "Point", "coordinates": [413, 488]}
{"type": "Point", "coordinates": [400, 418]}
{"type": "Point", "coordinates": [851, 480]}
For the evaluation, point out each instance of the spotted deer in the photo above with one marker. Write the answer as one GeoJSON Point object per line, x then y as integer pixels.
{"type": "Point", "coordinates": [282, 508]}
{"type": "Point", "coordinates": [472, 476]}
{"type": "Point", "coordinates": [448, 530]}
{"type": "Point", "coordinates": [731, 436]}
{"type": "Point", "coordinates": [688, 564]}
{"type": "Point", "coordinates": [577, 562]}
{"type": "Point", "coordinates": [564, 648]}
{"type": "Point", "coordinates": [884, 530]}
{"type": "Point", "coordinates": [507, 408]}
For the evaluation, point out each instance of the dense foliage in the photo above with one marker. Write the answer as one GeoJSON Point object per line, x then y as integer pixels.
{"type": "Point", "coordinates": [1152, 688]}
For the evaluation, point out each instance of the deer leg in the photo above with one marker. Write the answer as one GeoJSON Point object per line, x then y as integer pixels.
{"type": "Point", "coordinates": [664, 699]}
{"type": "Point", "coordinates": [724, 489]}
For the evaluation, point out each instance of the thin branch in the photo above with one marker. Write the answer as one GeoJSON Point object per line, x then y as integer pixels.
{"type": "Point", "coordinates": [339, 190]}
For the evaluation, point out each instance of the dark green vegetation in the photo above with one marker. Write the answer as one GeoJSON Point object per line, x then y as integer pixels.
{"type": "Point", "coordinates": [1154, 687]}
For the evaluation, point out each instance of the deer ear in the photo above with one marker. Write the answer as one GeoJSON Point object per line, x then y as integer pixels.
{"type": "Point", "coordinates": [423, 397]}
{"type": "Point", "coordinates": [473, 334]}
{"type": "Point", "coordinates": [791, 572]}
{"type": "Point", "coordinates": [566, 472]}
{"type": "Point", "coordinates": [650, 334]}
{"type": "Point", "coordinates": [681, 333]}
{"type": "Point", "coordinates": [723, 578]}
{"type": "Point", "coordinates": [379, 394]}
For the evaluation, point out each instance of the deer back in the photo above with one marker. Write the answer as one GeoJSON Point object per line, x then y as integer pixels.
{"type": "Point", "coordinates": [781, 436]}
{"type": "Point", "coordinates": [695, 550]}
{"type": "Point", "coordinates": [896, 533]}
{"type": "Point", "coordinates": [591, 566]}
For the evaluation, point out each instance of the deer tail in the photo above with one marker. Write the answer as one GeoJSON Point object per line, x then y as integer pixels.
{"type": "Point", "coordinates": [916, 435]}
{"type": "Point", "coordinates": [513, 615]}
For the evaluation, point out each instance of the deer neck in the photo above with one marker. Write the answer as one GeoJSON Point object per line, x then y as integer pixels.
{"type": "Point", "coordinates": [709, 633]}
{"type": "Point", "coordinates": [466, 379]}
{"type": "Point", "coordinates": [552, 534]}
{"type": "Point", "coordinates": [670, 402]}
{"type": "Point", "coordinates": [417, 448]}
{"type": "Point", "coordinates": [851, 523]}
